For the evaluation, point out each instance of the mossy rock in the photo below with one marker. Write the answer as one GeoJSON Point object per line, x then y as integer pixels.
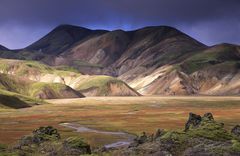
{"type": "Point", "coordinates": [175, 136]}
{"type": "Point", "coordinates": [46, 134]}
{"type": "Point", "coordinates": [2, 147]}
{"type": "Point", "coordinates": [235, 145]}
{"type": "Point", "coordinates": [78, 144]}
{"type": "Point", "coordinates": [210, 130]}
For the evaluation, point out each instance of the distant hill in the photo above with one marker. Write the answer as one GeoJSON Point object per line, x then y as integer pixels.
{"type": "Point", "coordinates": [3, 48]}
{"type": "Point", "coordinates": [159, 60]}
{"type": "Point", "coordinates": [37, 89]}
{"type": "Point", "coordinates": [39, 80]}
{"type": "Point", "coordinates": [15, 100]}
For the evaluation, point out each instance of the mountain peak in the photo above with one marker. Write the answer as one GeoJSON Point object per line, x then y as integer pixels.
{"type": "Point", "coordinates": [3, 48]}
{"type": "Point", "coordinates": [61, 38]}
{"type": "Point", "coordinates": [69, 27]}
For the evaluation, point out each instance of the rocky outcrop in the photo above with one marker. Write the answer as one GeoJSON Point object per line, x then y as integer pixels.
{"type": "Point", "coordinates": [47, 141]}
{"type": "Point", "coordinates": [39, 136]}
{"type": "Point", "coordinates": [202, 136]}
{"type": "Point", "coordinates": [193, 121]}
{"type": "Point", "coordinates": [236, 131]}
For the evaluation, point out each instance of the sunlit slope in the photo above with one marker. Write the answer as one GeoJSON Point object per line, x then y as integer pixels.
{"type": "Point", "coordinates": [213, 71]}
{"type": "Point", "coordinates": [34, 89]}
{"type": "Point", "coordinates": [49, 76]}
{"type": "Point", "coordinates": [14, 100]}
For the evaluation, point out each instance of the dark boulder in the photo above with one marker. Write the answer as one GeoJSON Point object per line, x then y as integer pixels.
{"type": "Point", "coordinates": [45, 134]}
{"type": "Point", "coordinates": [194, 121]}
{"type": "Point", "coordinates": [39, 136]}
{"type": "Point", "coordinates": [139, 140]}
{"type": "Point", "coordinates": [159, 133]}
{"type": "Point", "coordinates": [143, 138]}
{"type": "Point", "coordinates": [236, 131]}
{"type": "Point", "coordinates": [208, 116]}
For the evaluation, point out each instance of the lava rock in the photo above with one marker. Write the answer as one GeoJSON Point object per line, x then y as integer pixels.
{"type": "Point", "coordinates": [139, 140]}
{"type": "Point", "coordinates": [159, 133]}
{"type": "Point", "coordinates": [45, 134]}
{"type": "Point", "coordinates": [193, 121]}
{"type": "Point", "coordinates": [236, 131]}
{"type": "Point", "coordinates": [208, 116]}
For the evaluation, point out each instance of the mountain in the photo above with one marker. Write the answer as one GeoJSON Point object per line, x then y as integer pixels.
{"type": "Point", "coordinates": [15, 100]}
{"type": "Point", "coordinates": [3, 48]}
{"type": "Point", "coordinates": [35, 79]}
{"type": "Point", "coordinates": [115, 53]}
{"type": "Point", "coordinates": [37, 89]}
{"type": "Point", "coordinates": [213, 71]}
{"type": "Point", "coordinates": [62, 38]}
{"type": "Point", "coordinates": [157, 60]}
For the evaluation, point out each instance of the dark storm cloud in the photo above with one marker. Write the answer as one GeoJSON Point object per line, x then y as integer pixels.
{"type": "Point", "coordinates": [210, 21]}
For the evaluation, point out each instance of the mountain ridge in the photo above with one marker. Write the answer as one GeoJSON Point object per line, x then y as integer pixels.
{"type": "Point", "coordinates": [153, 60]}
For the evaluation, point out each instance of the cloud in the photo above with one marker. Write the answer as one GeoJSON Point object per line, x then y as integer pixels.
{"type": "Point", "coordinates": [27, 20]}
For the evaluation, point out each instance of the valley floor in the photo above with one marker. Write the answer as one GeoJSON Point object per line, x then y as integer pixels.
{"type": "Point", "coordinates": [127, 114]}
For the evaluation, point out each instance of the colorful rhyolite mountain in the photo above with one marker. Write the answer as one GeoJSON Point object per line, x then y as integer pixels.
{"type": "Point", "coordinates": [152, 60]}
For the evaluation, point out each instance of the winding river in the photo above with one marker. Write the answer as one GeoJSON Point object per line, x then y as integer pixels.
{"type": "Point", "coordinates": [81, 129]}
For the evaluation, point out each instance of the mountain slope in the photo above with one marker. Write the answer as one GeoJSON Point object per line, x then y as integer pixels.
{"type": "Point", "coordinates": [61, 38]}
{"type": "Point", "coordinates": [15, 100]}
{"type": "Point", "coordinates": [214, 71]}
{"type": "Point", "coordinates": [48, 82]}
{"type": "Point", "coordinates": [36, 89]}
{"type": "Point", "coordinates": [119, 52]}
{"type": "Point", "coordinates": [3, 48]}
{"type": "Point", "coordinates": [105, 86]}
{"type": "Point", "coordinates": [157, 60]}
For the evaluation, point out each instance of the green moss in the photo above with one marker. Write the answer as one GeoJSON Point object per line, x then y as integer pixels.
{"type": "Point", "coordinates": [208, 58]}
{"type": "Point", "coordinates": [76, 142]}
{"type": "Point", "coordinates": [14, 100]}
{"type": "Point", "coordinates": [100, 82]}
{"type": "Point", "coordinates": [24, 67]}
{"type": "Point", "coordinates": [29, 88]}
{"type": "Point", "coordinates": [19, 83]}
{"type": "Point", "coordinates": [210, 130]}
{"type": "Point", "coordinates": [2, 147]}
{"type": "Point", "coordinates": [176, 136]}
{"type": "Point", "coordinates": [11, 84]}
{"type": "Point", "coordinates": [199, 61]}
{"type": "Point", "coordinates": [8, 154]}
{"type": "Point", "coordinates": [235, 145]}
{"type": "Point", "coordinates": [54, 88]}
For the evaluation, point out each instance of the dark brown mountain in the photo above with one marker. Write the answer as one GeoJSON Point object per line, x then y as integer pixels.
{"type": "Point", "coordinates": [114, 52]}
{"type": "Point", "coordinates": [62, 38]}
{"type": "Point", "coordinates": [3, 48]}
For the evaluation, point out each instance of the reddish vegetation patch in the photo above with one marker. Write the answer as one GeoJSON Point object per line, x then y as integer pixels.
{"type": "Point", "coordinates": [134, 115]}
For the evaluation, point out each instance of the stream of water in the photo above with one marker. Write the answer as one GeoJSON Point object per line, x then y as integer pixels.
{"type": "Point", "coordinates": [82, 129]}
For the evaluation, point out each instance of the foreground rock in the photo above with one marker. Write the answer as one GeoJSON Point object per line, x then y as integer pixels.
{"type": "Point", "coordinates": [47, 141]}
{"type": "Point", "coordinates": [202, 136]}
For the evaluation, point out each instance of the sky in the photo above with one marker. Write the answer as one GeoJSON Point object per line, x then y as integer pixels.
{"type": "Point", "coordinates": [23, 22]}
